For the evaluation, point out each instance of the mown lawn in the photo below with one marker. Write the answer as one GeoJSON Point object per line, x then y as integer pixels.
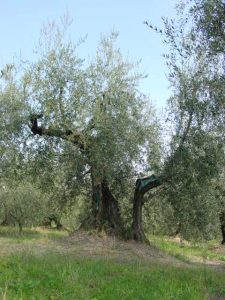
{"type": "Point", "coordinates": [52, 274]}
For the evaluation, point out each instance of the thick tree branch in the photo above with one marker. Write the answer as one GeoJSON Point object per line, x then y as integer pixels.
{"type": "Point", "coordinates": [67, 135]}
{"type": "Point", "coordinates": [143, 185]}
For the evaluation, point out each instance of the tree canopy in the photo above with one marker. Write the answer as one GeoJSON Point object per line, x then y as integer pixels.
{"type": "Point", "coordinates": [83, 130]}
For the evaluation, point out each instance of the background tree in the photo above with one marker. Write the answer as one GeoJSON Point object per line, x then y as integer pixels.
{"type": "Point", "coordinates": [196, 110]}
{"type": "Point", "coordinates": [23, 203]}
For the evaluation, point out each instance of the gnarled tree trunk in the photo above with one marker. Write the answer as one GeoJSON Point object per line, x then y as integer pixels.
{"type": "Point", "coordinates": [137, 226]}
{"type": "Point", "coordinates": [111, 211]}
{"type": "Point", "coordinates": [142, 186]}
{"type": "Point", "coordinates": [105, 214]}
{"type": "Point", "coordinates": [222, 226]}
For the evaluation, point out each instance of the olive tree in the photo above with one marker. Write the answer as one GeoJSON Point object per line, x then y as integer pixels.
{"type": "Point", "coordinates": [24, 203]}
{"type": "Point", "coordinates": [98, 109]}
{"type": "Point", "coordinates": [196, 110]}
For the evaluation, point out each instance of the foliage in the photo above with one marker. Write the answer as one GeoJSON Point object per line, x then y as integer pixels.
{"type": "Point", "coordinates": [73, 214]}
{"type": "Point", "coordinates": [159, 216]}
{"type": "Point", "coordinates": [24, 204]}
{"type": "Point", "coordinates": [195, 161]}
{"type": "Point", "coordinates": [104, 94]}
{"type": "Point", "coordinates": [210, 21]}
{"type": "Point", "coordinates": [98, 103]}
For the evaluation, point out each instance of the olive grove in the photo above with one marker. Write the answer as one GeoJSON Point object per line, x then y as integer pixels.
{"type": "Point", "coordinates": [83, 132]}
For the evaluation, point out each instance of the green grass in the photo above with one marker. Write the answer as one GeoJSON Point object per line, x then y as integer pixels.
{"type": "Point", "coordinates": [11, 232]}
{"type": "Point", "coordinates": [58, 276]}
{"type": "Point", "coordinates": [202, 251]}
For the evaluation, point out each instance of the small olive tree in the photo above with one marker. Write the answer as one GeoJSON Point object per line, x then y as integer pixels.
{"type": "Point", "coordinates": [24, 203]}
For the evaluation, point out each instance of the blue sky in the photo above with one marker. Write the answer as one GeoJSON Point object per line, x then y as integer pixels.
{"type": "Point", "coordinates": [21, 22]}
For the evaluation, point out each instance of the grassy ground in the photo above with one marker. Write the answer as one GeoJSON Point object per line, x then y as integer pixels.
{"type": "Point", "coordinates": [50, 265]}
{"type": "Point", "coordinates": [208, 252]}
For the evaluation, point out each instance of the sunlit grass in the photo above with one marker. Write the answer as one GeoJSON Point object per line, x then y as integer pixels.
{"type": "Point", "coordinates": [11, 232]}
{"type": "Point", "coordinates": [51, 273]}
{"type": "Point", "coordinates": [65, 277]}
{"type": "Point", "coordinates": [186, 252]}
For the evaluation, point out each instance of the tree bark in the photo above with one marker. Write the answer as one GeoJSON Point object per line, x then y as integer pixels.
{"type": "Point", "coordinates": [68, 135]}
{"type": "Point", "coordinates": [110, 211]}
{"type": "Point", "coordinates": [105, 213]}
{"type": "Point", "coordinates": [142, 186]}
{"type": "Point", "coordinates": [222, 226]}
{"type": "Point", "coordinates": [137, 226]}
{"type": "Point", "coordinates": [20, 227]}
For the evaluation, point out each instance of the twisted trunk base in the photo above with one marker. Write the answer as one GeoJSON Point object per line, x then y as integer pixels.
{"type": "Point", "coordinates": [105, 213]}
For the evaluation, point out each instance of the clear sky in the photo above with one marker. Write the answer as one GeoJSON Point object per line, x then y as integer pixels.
{"type": "Point", "coordinates": [21, 21]}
